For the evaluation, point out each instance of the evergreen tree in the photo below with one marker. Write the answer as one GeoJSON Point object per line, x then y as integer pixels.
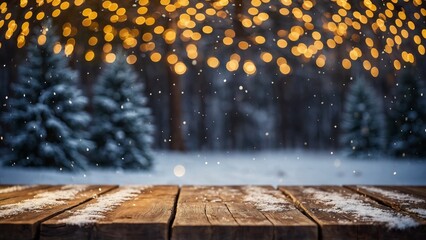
{"type": "Point", "coordinates": [362, 121]}
{"type": "Point", "coordinates": [408, 118]}
{"type": "Point", "coordinates": [45, 116]}
{"type": "Point", "coordinates": [121, 127]}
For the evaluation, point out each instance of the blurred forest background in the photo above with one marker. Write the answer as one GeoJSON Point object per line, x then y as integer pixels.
{"type": "Point", "coordinates": [236, 75]}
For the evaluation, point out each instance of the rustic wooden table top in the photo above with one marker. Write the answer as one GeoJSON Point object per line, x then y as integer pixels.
{"type": "Point", "coordinates": [212, 212]}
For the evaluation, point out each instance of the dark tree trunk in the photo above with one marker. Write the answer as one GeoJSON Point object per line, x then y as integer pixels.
{"type": "Point", "coordinates": [175, 118]}
{"type": "Point", "coordinates": [175, 101]}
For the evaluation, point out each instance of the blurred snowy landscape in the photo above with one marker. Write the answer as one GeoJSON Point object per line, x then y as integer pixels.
{"type": "Point", "coordinates": [233, 168]}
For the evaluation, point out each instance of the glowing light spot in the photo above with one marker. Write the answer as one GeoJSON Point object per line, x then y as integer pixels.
{"type": "Point", "coordinates": [374, 71]}
{"type": "Point", "coordinates": [180, 68]}
{"type": "Point", "coordinates": [227, 40]}
{"type": "Point", "coordinates": [282, 43]}
{"type": "Point", "coordinates": [397, 64]}
{"type": "Point", "coordinates": [179, 170]}
{"type": "Point", "coordinates": [56, 13]}
{"type": "Point", "coordinates": [213, 62]}
{"type": "Point", "coordinates": [421, 49]}
{"type": "Point", "coordinates": [131, 59]}
{"type": "Point", "coordinates": [232, 65]}
{"type": "Point", "coordinates": [41, 40]}
{"type": "Point", "coordinates": [110, 58]}
{"type": "Point", "coordinates": [28, 15]}
{"type": "Point", "coordinates": [321, 61]}
{"type": "Point", "coordinates": [316, 35]}
{"type": "Point", "coordinates": [140, 20]}
{"type": "Point", "coordinates": [374, 53]}
{"type": "Point", "coordinates": [20, 41]}
{"type": "Point", "coordinates": [90, 55]}
{"type": "Point", "coordinates": [191, 51]}
{"type": "Point", "coordinates": [207, 29]}
{"type": "Point", "coordinates": [172, 59]}
{"type": "Point", "coordinates": [93, 41]}
{"type": "Point", "coordinates": [260, 39]}
{"type": "Point", "coordinates": [266, 57]}
{"type": "Point", "coordinates": [78, 2]}
{"type": "Point", "coordinates": [366, 64]}
{"type": "Point", "coordinates": [346, 63]}
{"type": "Point", "coordinates": [169, 36]}
{"type": "Point", "coordinates": [285, 69]}
{"type": "Point", "coordinates": [155, 57]}
{"type": "Point", "coordinates": [249, 67]}
{"type": "Point", "coordinates": [40, 16]}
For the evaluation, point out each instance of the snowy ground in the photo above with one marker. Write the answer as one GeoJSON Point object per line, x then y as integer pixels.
{"type": "Point", "coordinates": [208, 168]}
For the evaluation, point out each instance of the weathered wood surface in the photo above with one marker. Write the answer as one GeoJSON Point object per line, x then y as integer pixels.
{"type": "Point", "coordinates": [212, 212]}
{"type": "Point", "coordinates": [235, 212]}
{"type": "Point", "coordinates": [19, 191]}
{"type": "Point", "coordinates": [146, 213]}
{"type": "Point", "coordinates": [21, 216]}
{"type": "Point", "coordinates": [411, 199]}
{"type": "Point", "coordinates": [344, 214]}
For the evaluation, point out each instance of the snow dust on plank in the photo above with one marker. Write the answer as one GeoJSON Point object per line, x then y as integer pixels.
{"type": "Point", "coordinates": [20, 217]}
{"type": "Point", "coordinates": [345, 214]}
{"type": "Point", "coordinates": [128, 212]}
{"type": "Point", "coordinates": [236, 212]}
{"type": "Point", "coordinates": [9, 189]}
{"type": "Point", "coordinates": [410, 199]}
{"type": "Point", "coordinates": [20, 190]}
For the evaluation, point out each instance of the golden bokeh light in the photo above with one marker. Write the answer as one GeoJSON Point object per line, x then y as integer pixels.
{"type": "Point", "coordinates": [89, 56]}
{"type": "Point", "coordinates": [110, 58]}
{"type": "Point", "coordinates": [264, 31]}
{"type": "Point", "coordinates": [180, 68]}
{"type": "Point", "coordinates": [131, 59]}
{"type": "Point", "coordinates": [213, 62]}
{"type": "Point", "coordinates": [249, 67]}
{"type": "Point", "coordinates": [155, 57]}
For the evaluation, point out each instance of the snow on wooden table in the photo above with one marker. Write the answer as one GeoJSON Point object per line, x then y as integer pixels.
{"type": "Point", "coordinates": [212, 212]}
{"type": "Point", "coordinates": [410, 199]}
{"type": "Point", "coordinates": [235, 212]}
{"type": "Point", "coordinates": [128, 212]}
{"type": "Point", "coordinates": [20, 217]}
{"type": "Point", "coordinates": [19, 191]}
{"type": "Point", "coordinates": [343, 214]}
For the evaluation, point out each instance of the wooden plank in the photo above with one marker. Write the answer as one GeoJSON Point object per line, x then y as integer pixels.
{"type": "Point", "coordinates": [253, 224]}
{"type": "Point", "coordinates": [223, 224]}
{"type": "Point", "coordinates": [288, 222]}
{"type": "Point", "coordinates": [130, 212]}
{"type": "Point", "coordinates": [3, 186]}
{"type": "Point", "coordinates": [210, 219]}
{"type": "Point", "coordinates": [344, 214]}
{"type": "Point", "coordinates": [409, 199]}
{"type": "Point", "coordinates": [20, 217]}
{"type": "Point", "coordinates": [191, 222]}
{"type": "Point", "coordinates": [19, 191]}
{"type": "Point", "coordinates": [246, 213]}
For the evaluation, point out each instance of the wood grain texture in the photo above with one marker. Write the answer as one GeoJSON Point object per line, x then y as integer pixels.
{"type": "Point", "coordinates": [410, 199]}
{"type": "Point", "coordinates": [348, 225]}
{"type": "Point", "coordinates": [22, 192]}
{"type": "Point", "coordinates": [26, 224]}
{"type": "Point", "coordinates": [147, 215]}
{"type": "Point", "coordinates": [226, 213]}
{"type": "Point", "coordinates": [212, 213]}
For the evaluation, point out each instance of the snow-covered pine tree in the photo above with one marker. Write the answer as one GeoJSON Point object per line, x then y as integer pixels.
{"type": "Point", "coordinates": [362, 121]}
{"type": "Point", "coordinates": [121, 128]}
{"type": "Point", "coordinates": [408, 118]}
{"type": "Point", "coordinates": [45, 117]}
